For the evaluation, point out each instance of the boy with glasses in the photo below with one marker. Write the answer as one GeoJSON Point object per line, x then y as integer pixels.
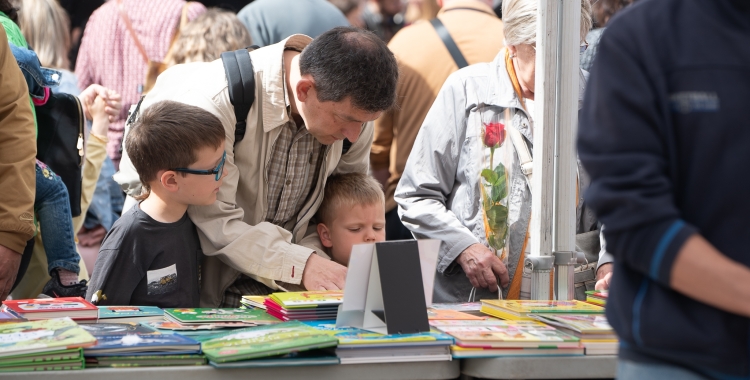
{"type": "Point", "coordinates": [152, 254]}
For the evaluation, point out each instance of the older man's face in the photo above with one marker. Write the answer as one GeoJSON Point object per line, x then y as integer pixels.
{"type": "Point", "coordinates": [332, 121]}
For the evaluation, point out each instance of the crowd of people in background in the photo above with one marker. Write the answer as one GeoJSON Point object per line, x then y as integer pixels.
{"type": "Point", "coordinates": [360, 126]}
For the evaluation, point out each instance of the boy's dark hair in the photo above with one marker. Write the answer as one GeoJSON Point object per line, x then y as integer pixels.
{"type": "Point", "coordinates": [351, 62]}
{"type": "Point", "coordinates": [168, 135]}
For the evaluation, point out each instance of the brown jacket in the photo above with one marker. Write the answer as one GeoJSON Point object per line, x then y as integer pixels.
{"type": "Point", "coordinates": [17, 153]}
{"type": "Point", "coordinates": [425, 65]}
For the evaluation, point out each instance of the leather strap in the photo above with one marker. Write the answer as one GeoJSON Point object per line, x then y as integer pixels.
{"type": "Point", "coordinates": [129, 26]}
{"type": "Point", "coordinates": [449, 43]}
{"type": "Point", "coordinates": [240, 74]}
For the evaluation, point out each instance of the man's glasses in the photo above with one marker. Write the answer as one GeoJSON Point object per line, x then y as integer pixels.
{"type": "Point", "coordinates": [216, 171]}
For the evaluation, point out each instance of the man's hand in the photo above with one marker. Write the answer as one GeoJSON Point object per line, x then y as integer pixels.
{"type": "Point", "coordinates": [323, 274]}
{"type": "Point", "coordinates": [603, 276]}
{"type": "Point", "coordinates": [112, 98]}
{"type": "Point", "coordinates": [483, 268]}
{"type": "Point", "coordinates": [9, 262]}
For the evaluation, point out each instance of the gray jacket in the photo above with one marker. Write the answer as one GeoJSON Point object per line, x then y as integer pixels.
{"type": "Point", "coordinates": [439, 195]}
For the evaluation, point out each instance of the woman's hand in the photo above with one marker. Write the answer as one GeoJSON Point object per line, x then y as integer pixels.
{"type": "Point", "coordinates": [113, 101]}
{"type": "Point", "coordinates": [98, 110]}
{"type": "Point", "coordinates": [483, 267]}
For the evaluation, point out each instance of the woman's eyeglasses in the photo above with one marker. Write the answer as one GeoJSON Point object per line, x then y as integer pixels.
{"type": "Point", "coordinates": [217, 171]}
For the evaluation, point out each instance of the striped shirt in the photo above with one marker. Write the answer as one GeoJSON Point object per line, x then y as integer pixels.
{"type": "Point", "coordinates": [108, 55]}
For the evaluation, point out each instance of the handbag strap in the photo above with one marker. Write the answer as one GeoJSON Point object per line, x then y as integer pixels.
{"type": "Point", "coordinates": [129, 27]}
{"type": "Point", "coordinates": [449, 43]}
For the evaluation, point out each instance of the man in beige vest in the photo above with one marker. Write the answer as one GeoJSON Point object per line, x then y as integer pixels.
{"type": "Point", "coordinates": [425, 63]}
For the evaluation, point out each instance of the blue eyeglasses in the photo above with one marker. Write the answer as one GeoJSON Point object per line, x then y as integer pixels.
{"type": "Point", "coordinates": [216, 171]}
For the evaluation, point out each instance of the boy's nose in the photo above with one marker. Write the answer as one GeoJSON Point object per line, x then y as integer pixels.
{"type": "Point", "coordinates": [370, 236]}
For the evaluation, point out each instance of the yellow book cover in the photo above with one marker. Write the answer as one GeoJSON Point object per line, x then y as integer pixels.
{"type": "Point", "coordinates": [291, 300]}
{"type": "Point", "coordinates": [510, 334]}
{"type": "Point", "coordinates": [522, 308]}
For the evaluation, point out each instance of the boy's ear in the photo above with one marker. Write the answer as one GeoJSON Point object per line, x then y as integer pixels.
{"type": "Point", "coordinates": [325, 235]}
{"type": "Point", "coordinates": [168, 181]}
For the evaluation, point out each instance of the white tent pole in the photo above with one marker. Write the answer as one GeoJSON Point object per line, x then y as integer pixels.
{"type": "Point", "coordinates": [555, 123]}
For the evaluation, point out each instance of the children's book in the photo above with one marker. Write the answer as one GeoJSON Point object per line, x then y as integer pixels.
{"type": "Point", "coordinates": [146, 361]}
{"type": "Point", "coordinates": [294, 359]}
{"type": "Point", "coordinates": [597, 297]}
{"type": "Point", "coordinates": [46, 308]}
{"type": "Point", "coordinates": [137, 344]}
{"type": "Point", "coordinates": [446, 314]}
{"type": "Point", "coordinates": [515, 334]}
{"type": "Point", "coordinates": [58, 360]}
{"type": "Point", "coordinates": [308, 299]}
{"type": "Point", "coordinates": [248, 317]}
{"type": "Point", "coordinates": [104, 329]}
{"type": "Point", "coordinates": [130, 313]}
{"type": "Point", "coordinates": [473, 352]}
{"type": "Point", "coordinates": [580, 324]}
{"type": "Point", "coordinates": [254, 301]}
{"type": "Point", "coordinates": [6, 316]}
{"type": "Point", "coordinates": [60, 365]}
{"type": "Point", "coordinates": [472, 308]}
{"type": "Point", "coordinates": [179, 327]}
{"type": "Point", "coordinates": [354, 337]}
{"type": "Point", "coordinates": [263, 341]}
{"type": "Point", "coordinates": [42, 336]}
{"type": "Point", "coordinates": [521, 309]}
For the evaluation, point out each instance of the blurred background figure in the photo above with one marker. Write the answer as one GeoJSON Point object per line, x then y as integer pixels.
{"type": "Point", "coordinates": [417, 10]}
{"type": "Point", "coordinates": [425, 64]}
{"type": "Point", "coordinates": [209, 35]}
{"type": "Point", "coordinates": [79, 12]}
{"type": "Point", "coordinates": [271, 21]}
{"type": "Point", "coordinates": [384, 17]}
{"type": "Point", "coordinates": [603, 10]}
{"type": "Point", "coordinates": [352, 9]}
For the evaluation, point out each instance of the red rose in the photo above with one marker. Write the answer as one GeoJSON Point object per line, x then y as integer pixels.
{"type": "Point", "coordinates": [494, 134]}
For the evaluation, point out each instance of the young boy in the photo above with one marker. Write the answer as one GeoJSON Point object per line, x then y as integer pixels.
{"type": "Point", "coordinates": [352, 212]}
{"type": "Point", "coordinates": [151, 256]}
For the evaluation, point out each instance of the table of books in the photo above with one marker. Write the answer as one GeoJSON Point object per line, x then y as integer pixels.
{"type": "Point", "coordinates": [573, 367]}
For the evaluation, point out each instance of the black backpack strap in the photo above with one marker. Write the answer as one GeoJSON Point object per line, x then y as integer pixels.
{"type": "Point", "coordinates": [449, 43]}
{"type": "Point", "coordinates": [238, 67]}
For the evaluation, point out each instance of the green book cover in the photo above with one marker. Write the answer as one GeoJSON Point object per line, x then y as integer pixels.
{"type": "Point", "coordinates": [256, 342]}
{"type": "Point", "coordinates": [148, 361]}
{"type": "Point", "coordinates": [71, 354]}
{"type": "Point", "coordinates": [46, 366]}
{"type": "Point", "coordinates": [42, 336]}
{"type": "Point", "coordinates": [216, 315]}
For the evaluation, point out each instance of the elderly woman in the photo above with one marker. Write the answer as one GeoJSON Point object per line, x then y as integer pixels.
{"type": "Point", "coordinates": [463, 182]}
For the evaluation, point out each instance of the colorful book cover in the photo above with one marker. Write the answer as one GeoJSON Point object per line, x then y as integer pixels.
{"type": "Point", "coordinates": [309, 299]}
{"type": "Point", "coordinates": [262, 341]}
{"type": "Point", "coordinates": [349, 336]}
{"type": "Point", "coordinates": [581, 323]}
{"type": "Point", "coordinates": [254, 301]}
{"type": "Point", "coordinates": [509, 334]}
{"type": "Point", "coordinates": [443, 314]}
{"type": "Point", "coordinates": [60, 365]}
{"type": "Point", "coordinates": [176, 326]}
{"type": "Point", "coordinates": [117, 328]}
{"type": "Point", "coordinates": [8, 317]}
{"type": "Point", "coordinates": [474, 352]}
{"type": "Point", "coordinates": [107, 312]}
{"type": "Point", "coordinates": [520, 309]}
{"type": "Point", "coordinates": [56, 356]}
{"type": "Point", "coordinates": [146, 361]}
{"type": "Point", "coordinates": [294, 359]}
{"type": "Point", "coordinates": [73, 307]}
{"type": "Point", "coordinates": [142, 344]}
{"type": "Point", "coordinates": [42, 336]}
{"type": "Point", "coordinates": [213, 315]}
{"type": "Point", "coordinates": [466, 307]}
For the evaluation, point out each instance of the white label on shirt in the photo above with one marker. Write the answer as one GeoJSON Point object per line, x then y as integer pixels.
{"type": "Point", "coordinates": [161, 281]}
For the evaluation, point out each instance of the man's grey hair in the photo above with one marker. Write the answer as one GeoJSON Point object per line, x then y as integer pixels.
{"type": "Point", "coordinates": [520, 17]}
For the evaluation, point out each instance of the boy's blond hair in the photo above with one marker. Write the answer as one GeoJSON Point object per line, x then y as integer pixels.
{"type": "Point", "coordinates": [348, 190]}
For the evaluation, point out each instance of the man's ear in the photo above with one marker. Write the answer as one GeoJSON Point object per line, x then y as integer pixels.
{"type": "Point", "coordinates": [325, 235]}
{"type": "Point", "coordinates": [168, 181]}
{"type": "Point", "coordinates": [303, 88]}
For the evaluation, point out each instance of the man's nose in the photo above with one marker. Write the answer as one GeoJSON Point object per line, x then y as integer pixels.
{"type": "Point", "coordinates": [352, 132]}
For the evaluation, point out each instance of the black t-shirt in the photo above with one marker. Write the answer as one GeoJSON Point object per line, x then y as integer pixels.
{"type": "Point", "coordinates": [148, 263]}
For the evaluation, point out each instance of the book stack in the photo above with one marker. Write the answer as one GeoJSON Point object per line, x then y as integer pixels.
{"type": "Point", "coordinates": [595, 333]}
{"type": "Point", "coordinates": [356, 346]}
{"type": "Point", "coordinates": [213, 318]}
{"type": "Point", "coordinates": [46, 345]}
{"type": "Point", "coordinates": [132, 341]}
{"type": "Point", "coordinates": [118, 314]}
{"type": "Point", "coordinates": [253, 302]}
{"type": "Point", "coordinates": [496, 338]}
{"type": "Point", "coordinates": [473, 308]}
{"type": "Point", "coordinates": [597, 297]}
{"type": "Point", "coordinates": [448, 314]}
{"type": "Point", "coordinates": [304, 306]}
{"type": "Point", "coordinates": [48, 308]}
{"type": "Point", "coordinates": [283, 344]}
{"type": "Point", "coordinates": [521, 310]}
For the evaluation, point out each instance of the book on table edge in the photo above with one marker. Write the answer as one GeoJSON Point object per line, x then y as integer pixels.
{"type": "Point", "coordinates": [61, 365]}
{"type": "Point", "coordinates": [507, 334]}
{"type": "Point", "coordinates": [584, 326]}
{"type": "Point", "coordinates": [447, 314]}
{"type": "Point", "coordinates": [250, 317]}
{"type": "Point", "coordinates": [473, 352]}
{"type": "Point", "coordinates": [48, 308]}
{"type": "Point", "coordinates": [146, 361]}
{"type": "Point", "coordinates": [293, 359]}
{"type": "Point", "coordinates": [137, 343]}
{"type": "Point", "coordinates": [263, 341]}
{"type": "Point", "coordinates": [44, 357]}
{"type": "Point", "coordinates": [49, 335]}
{"type": "Point", "coordinates": [354, 337]}
{"type": "Point", "coordinates": [521, 309]}
{"type": "Point", "coordinates": [308, 299]}
{"type": "Point", "coordinates": [130, 313]}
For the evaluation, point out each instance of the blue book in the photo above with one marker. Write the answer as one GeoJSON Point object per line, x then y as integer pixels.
{"type": "Point", "coordinates": [141, 343]}
{"type": "Point", "coordinates": [130, 313]}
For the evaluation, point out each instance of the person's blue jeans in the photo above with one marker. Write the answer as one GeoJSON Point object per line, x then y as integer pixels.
{"type": "Point", "coordinates": [627, 369]}
{"type": "Point", "coordinates": [52, 208]}
{"type": "Point", "coordinates": [106, 205]}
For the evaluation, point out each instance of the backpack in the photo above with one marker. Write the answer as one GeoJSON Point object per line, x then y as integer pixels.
{"type": "Point", "coordinates": [238, 68]}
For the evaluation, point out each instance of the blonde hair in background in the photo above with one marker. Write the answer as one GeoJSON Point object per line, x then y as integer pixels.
{"type": "Point", "coordinates": [519, 21]}
{"type": "Point", "coordinates": [348, 190]}
{"type": "Point", "coordinates": [209, 35]}
{"type": "Point", "coordinates": [46, 27]}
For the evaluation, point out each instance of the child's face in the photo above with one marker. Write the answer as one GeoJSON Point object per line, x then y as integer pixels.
{"type": "Point", "coordinates": [353, 225]}
{"type": "Point", "coordinates": [201, 189]}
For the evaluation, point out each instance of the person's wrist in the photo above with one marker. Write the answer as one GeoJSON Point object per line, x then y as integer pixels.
{"type": "Point", "coordinates": [603, 270]}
